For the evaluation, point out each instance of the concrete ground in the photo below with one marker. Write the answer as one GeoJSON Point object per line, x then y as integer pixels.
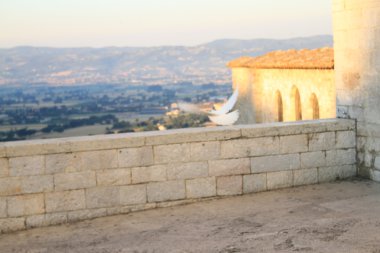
{"type": "Point", "coordinates": [335, 217]}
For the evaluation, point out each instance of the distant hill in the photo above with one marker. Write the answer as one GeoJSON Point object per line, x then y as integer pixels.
{"type": "Point", "coordinates": [137, 65]}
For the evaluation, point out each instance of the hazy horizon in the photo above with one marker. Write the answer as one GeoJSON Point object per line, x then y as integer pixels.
{"type": "Point", "coordinates": [147, 23]}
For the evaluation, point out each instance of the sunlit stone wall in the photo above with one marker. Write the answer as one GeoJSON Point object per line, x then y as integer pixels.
{"type": "Point", "coordinates": [46, 182]}
{"type": "Point", "coordinates": [357, 65]}
{"type": "Point", "coordinates": [259, 89]}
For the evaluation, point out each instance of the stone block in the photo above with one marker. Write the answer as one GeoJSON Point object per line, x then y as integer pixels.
{"type": "Point", "coordinates": [148, 174]}
{"type": "Point", "coordinates": [254, 183]}
{"type": "Point", "coordinates": [42, 220]}
{"type": "Point", "coordinates": [73, 181]}
{"type": "Point", "coordinates": [65, 201]}
{"type": "Point", "coordinates": [280, 179]}
{"type": "Point", "coordinates": [293, 144]}
{"type": "Point", "coordinates": [134, 157]}
{"type": "Point", "coordinates": [313, 159]}
{"type": "Point", "coordinates": [328, 174]}
{"type": "Point", "coordinates": [201, 187]}
{"type": "Point", "coordinates": [114, 177]}
{"type": "Point", "coordinates": [133, 194]}
{"type": "Point", "coordinates": [11, 224]}
{"type": "Point", "coordinates": [79, 215]}
{"type": "Point", "coordinates": [37, 184]}
{"type": "Point", "coordinates": [60, 163]}
{"type": "Point", "coordinates": [10, 186]}
{"type": "Point", "coordinates": [3, 207]}
{"type": "Point", "coordinates": [106, 196]}
{"type": "Point", "coordinates": [172, 153]}
{"type": "Point", "coordinates": [25, 205]}
{"type": "Point", "coordinates": [321, 141]}
{"type": "Point", "coordinates": [340, 157]}
{"type": "Point", "coordinates": [377, 162]}
{"type": "Point", "coordinates": [275, 163]}
{"type": "Point", "coordinates": [204, 151]}
{"type": "Point", "coordinates": [187, 170]}
{"type": "Point", "coordinates": [227, 186]}
{"type": "Point", "coordinates": [164, 191]}
{"type": "Point", "coordinates": [97, 160]}
{"type": "Point", "coordinates": [345, 139]}
{"type": "Point", "coordinates": [229, 167]}
{"type": "Point", "coordinates": [374, 175]}
{"type": "Point", "coordinates": [305, 176]}
{"type": "Point", "coordinates": [26, 166]}
{"type": "Point", "coordinates": [4, 167]}
{"type": "Point", "coordinates": [250, 147]}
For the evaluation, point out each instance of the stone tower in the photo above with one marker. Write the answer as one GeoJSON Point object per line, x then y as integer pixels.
{"type": "Point", "coordinates": [357, 70]}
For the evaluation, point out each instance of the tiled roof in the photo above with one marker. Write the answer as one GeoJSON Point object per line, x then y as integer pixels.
{"type": "Point", "coordinates": [322, 58]}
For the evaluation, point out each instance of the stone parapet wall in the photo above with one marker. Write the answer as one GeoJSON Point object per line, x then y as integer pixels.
{"type": "Point", "coordinates": [56, 181]}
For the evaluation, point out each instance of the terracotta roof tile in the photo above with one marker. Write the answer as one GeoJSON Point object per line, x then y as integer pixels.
{"type": "Point", "coordinates": [322, 58]}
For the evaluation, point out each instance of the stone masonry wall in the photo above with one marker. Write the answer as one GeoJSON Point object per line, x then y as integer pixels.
{"type": "Point", "coordinates": [56, 181]}
{"type": "Point", "coordinates": [357, 68]}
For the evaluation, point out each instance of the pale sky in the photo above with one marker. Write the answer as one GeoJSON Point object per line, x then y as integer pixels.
{"type": "Point", "coordinates": [99, 23]}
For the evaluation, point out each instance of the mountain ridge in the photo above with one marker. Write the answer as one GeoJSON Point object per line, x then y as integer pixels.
{"type": "Point", "coordinates": [204, 63]}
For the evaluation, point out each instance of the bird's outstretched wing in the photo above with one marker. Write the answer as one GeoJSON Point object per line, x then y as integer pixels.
{"type": "Point", "coordinates": [190, 108]}
{"type": "Point", "coordinates": [225, 119]}
{"type": "Point", "coordinates": [228, 105]}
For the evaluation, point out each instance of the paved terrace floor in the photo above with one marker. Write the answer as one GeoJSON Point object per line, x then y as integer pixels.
{"type": "Point", "coordinates": [335, 217]}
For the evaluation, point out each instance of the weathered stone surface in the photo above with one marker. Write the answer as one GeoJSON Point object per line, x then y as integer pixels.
{"type": "Point", "coordinates": [134, 157]}
{"type": "Point", "coordinates": [26, 166]}
{"type": "Point", "coordinates": [42, 220]}
{"type": "Point", "coordinates": [60, 163]}
{"type": "Point", "coordinates": [133, 194]}
{"type": "Point", "coordinates": [164, 191]}
{"type": "Point", "coordinates": [340, 157]}
{"type": "Point", "coordinates": [305, 176]}
{"type": "Point", "coordinates": [114, 177]}
{"type": "Point", "coordinates": [328, 174]}
{"type": "Point", "coordinates": [377, 162]}
{"type": "Point", "coordinates": [10, 186]}
{"type": "Point", "coordinates": [313, 159]}
{"type": "Point", "coordinates": [281, 179]}
{"type": "Point", "coordinates": [201, 187]}
{"type": "Point", "coordinates": [192, 135]}
{"type": "Point", "coordinates": [11, 224]}
{"type": "Point", "coordinates": [4, 167]}
{"type": "Point", "coordinates": [254, 183]}
{"type": "Point", "coordinates": [374, 175]}
{"type": "Point", "coordinates": [321, 141]}
{"type": "Point", "coordinates": [86, 214]}
{"type": "Point", "coordinates": [275, 163]}
{"type": "Point", "coordinates": [148, 174]}
{"type": "Point", "coordinates": [187, 170]}
{"type": "Point", "coordinates": [172, 153]}
{"type": "Point", "coordinates": [97, 160]}
{"type": "Point", "coordinates": [73, 181]}
{"type": "Point", "coordinates": [65, 201]}
{"type": "Point", "coordinates": [345, 139]}
{"type": "Point", "coordinates": [3, 207]}
{"type": "Point", "coordinates": [26, 205]}
{"type": "Point", "coordinates": [293, 144]}
{"type": "Point", "coordinates": [106, 196]}
{"type": "Point", "coordinates": [36, 184]}
{"type": "Point", "coordinates": [232, 185]}
{"type": "Point", "coordinates": [203, 151]}
{"type": "Point", "coordinates": [250, 147]}
{"type": "Point", "coordinates": [229, 167]}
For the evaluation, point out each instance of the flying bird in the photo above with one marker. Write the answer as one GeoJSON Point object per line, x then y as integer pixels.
{"type": "Point", "coordinates": [222, 117]}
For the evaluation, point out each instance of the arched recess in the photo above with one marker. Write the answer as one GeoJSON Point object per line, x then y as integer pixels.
{"type": "Point", "coordinates": [279, 109]}
{"type": "Point", "coordinates": [296, 104]}
{"type": "Point", "coordinates": [314, 106]}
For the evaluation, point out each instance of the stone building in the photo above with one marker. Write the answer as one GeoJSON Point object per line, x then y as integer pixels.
{"type": "Point", "coordinates": [285, 86]}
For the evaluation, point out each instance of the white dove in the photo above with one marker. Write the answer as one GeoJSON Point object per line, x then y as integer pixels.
{"type": "Point", "coordinates": [223, 116]}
